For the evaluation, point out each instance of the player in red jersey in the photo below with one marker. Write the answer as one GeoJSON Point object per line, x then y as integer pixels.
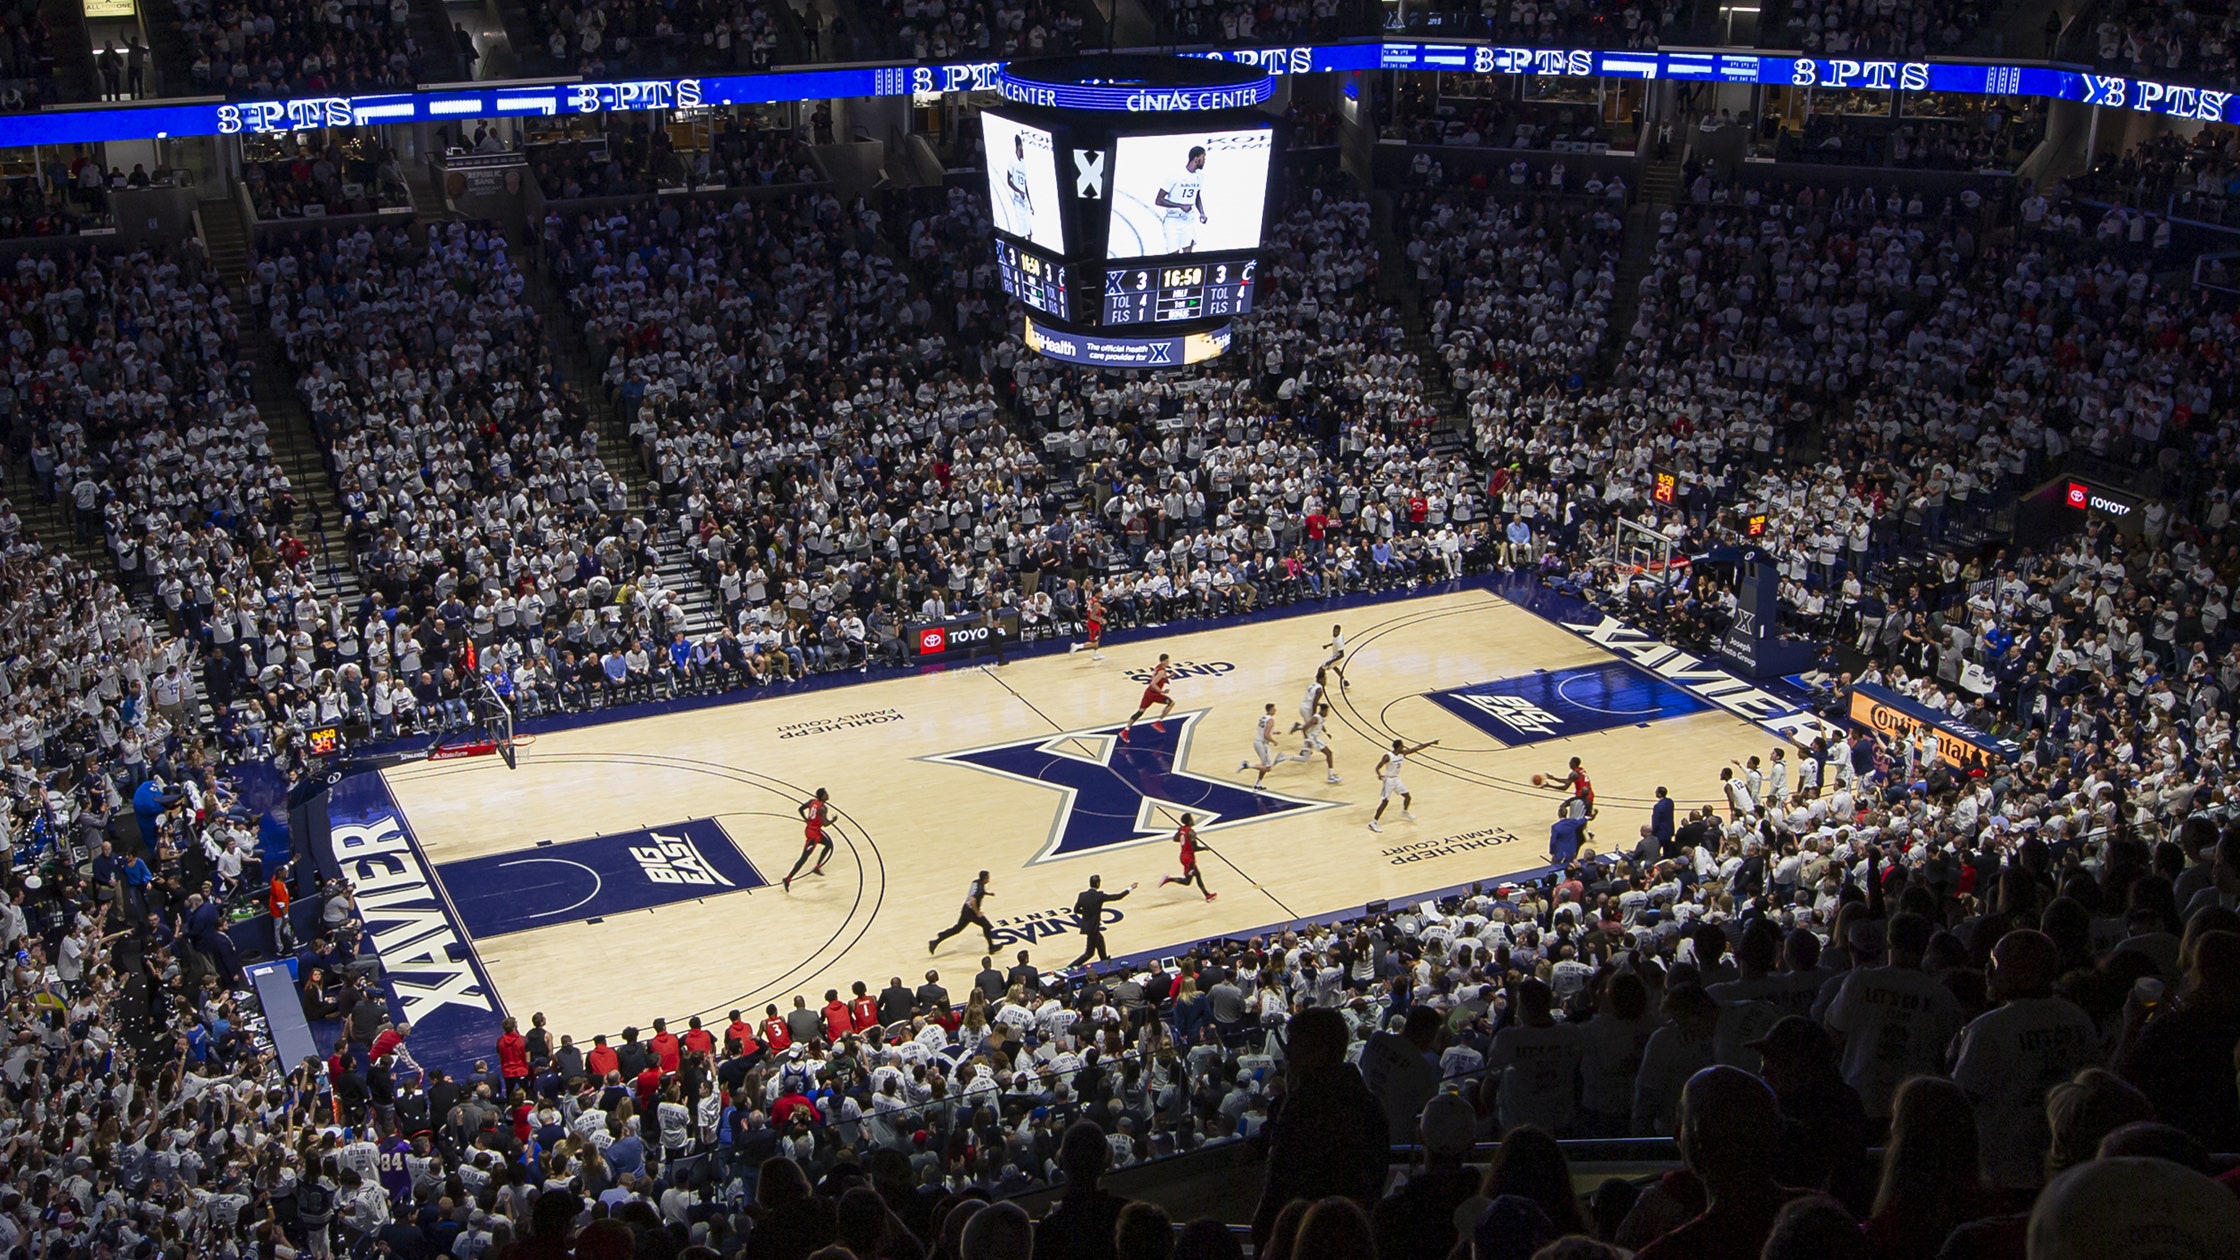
{"type": "Point", "coordinates": [1092, 618]}
{"type": "Point", "coordinates": [815, 834]}
{"type": "Point", "coordinates": [1186, 835]}
{"type": "Point", "coordinates": [1575, 780]}
{"type": "Point", "coordinates": [1155, 692]}
{"type": "Point", "coordinates": [776, 1037]}
{"type": "Point", "coordinates": [863, 1008]}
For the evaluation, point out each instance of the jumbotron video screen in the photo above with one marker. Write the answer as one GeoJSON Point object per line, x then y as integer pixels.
{"type": "Point", "coordinates": [1194, 192]}
{"type": "Point", "coordinates": [1130, 241]}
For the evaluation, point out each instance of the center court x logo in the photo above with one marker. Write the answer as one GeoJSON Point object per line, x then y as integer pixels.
{"type": "Point", "coordinates": [1115, 795]}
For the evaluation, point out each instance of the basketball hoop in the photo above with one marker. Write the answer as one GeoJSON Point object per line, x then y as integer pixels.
{"type": "Point", "coordinates": [1642, 553]}
{"type": "Point", "coordinates": [491, 732]}
{"type": "Point", "coordinates": [496, 717]}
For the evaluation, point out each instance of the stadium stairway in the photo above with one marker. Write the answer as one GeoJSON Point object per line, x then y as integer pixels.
{"type": "Point", "coordinates": [430, 27]}
{"type": "Point", "coordinates": [296, 447]}
{"type": "Point", "coordinates": [46, 520]}
{"type": "Point", "coordinates": [428, 205]}
{"type": "Point", "coordinates": [167, 49]}
{"type": "Point", "coordinates": [1396, 285]}
{"type": "Point", "coordinates": [295, 444]}
{"type": "Point", "coordinates": [578, 366]}
{"type": "Point", "coordinates": [1660, 184]}
{"type": "Point", "coordinates": [74, 75]}
{"type": "Point", "coordinates": [1128, 23]}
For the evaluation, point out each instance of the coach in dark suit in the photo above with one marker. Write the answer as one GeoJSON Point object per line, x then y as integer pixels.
{"type": "Point", "coordinates": [990, 982]}
{"type": "Point", "coordinates": [1026, 975]}
{"type": "Point", "coordinates": [1089, 908]}
{"type": "Point", "coordinates": [932, 998]}
{"type": "Point", "coordinates": [894, 1002]}
{"type": "Point", "coordinates": [1660, 819]}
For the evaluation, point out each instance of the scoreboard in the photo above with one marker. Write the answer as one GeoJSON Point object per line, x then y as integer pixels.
{"type": "Point", "coordinates": [1185, 291]}
{"type": "Point", "coordinates": [1127, 193]}
{"type": "Point", "coordinates": [1038, 282]}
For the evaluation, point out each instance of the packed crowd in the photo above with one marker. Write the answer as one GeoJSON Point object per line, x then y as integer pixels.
{"type": "Point", "coordinates": [133, 403]}
{"type": "Point", "coordinates": [32, 206]}
{"type": "Point", "coordinates": [1833, 28]}
{"type": "Point", "coordinates": [1518, 292]}
{"type": "Point", "coordinates": [778, 374]}
{"type": "Point", "coordinates": [2025, 976]}
{"type": "Point", "coordinates": [2193, 179]}
{"type": "Point", "coordinates": [604, 38]}
{"type": "Point", "coordinates": [125, 397]}
{"type": "Point", "coordinates": [26, 58]}
{"type": "Point", "coordinates": [320, 179]}
{"type": "Point", "coordinates": [486, 529]}
{"type": "Point", "coordinates": [1549, 23]}
{"type": "Point", "coordinates": [241, 47]}
{"type": "Point", "coordinates": [635, 159]}
{"type": "Point", "coordinates": [2161, 39]}
{"type": "Point", "coordinates": [131, 400]}
{"type": "Point", "coordinates": [944, 29]}
{"type": "Point", "coordinates": [1247, 21]}
{"type": "Point", "coordinates": [1497, 124]}
{"type": "Point", "coordinates": [1996, 143]}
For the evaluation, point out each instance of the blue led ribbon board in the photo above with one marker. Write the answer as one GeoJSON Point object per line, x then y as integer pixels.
{"type": "Point", "coordinates": [87, 124]}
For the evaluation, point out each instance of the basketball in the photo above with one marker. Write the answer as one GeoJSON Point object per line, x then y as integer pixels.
{"type": "Point", "coordinates": [1539, 780]}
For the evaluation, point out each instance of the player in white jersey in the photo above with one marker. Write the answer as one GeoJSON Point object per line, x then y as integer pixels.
{"type": "Point", "coordinates": [1317, 740]}
{"type": "Point", "coordinates": [1015, 181]}
{"type": "Point", "coordinates": [1777, 779]}
{"type": "Point", "coordinates": [1311, 701]}
{"type": "Point", "coordinates": [1389, 767]}
{"type": "Point", "coordinates": [1264, 752]}
{"type": "Point", "coordinates": [1337, 658]}
{"type": "Point", "coordinates": [1183, 200]}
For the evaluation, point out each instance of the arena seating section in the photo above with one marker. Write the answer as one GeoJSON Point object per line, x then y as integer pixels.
{"type": "Point", "coordinates": [808, 421]}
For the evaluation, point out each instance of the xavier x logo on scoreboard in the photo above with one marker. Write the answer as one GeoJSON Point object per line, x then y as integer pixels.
{"type": "Point", "coordinates": [1114, 794]}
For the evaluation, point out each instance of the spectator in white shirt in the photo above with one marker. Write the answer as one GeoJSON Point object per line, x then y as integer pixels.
{"type": "Point", "coordinates": [2009, 1057]}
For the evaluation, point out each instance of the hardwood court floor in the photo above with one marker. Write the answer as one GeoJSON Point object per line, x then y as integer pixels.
{"type": "Point", "coordinates": [937, 776]}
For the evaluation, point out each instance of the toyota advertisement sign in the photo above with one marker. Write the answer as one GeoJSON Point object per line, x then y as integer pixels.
{"type": "Point", "coordinates": [937, 639]}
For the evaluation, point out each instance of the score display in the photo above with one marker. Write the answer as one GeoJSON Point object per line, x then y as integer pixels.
{"type": "Point", "coordinates": [1037, 281]}
{"type": "Point", "coordinates": [1159, 219]}
{"type": "Point", "coordinates": [1183, 291]}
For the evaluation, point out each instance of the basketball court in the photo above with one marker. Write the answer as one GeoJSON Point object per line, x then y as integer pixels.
{"type": "Point", "coordinates": [632, 869]}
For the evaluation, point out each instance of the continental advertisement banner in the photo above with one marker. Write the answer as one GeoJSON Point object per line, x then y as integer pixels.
{"type": "Point", "coordinates": [1886, 712]}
